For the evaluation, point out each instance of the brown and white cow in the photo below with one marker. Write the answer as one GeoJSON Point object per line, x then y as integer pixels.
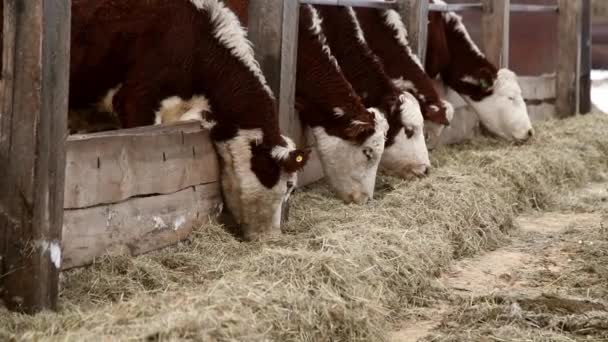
{"type": "Point", "coordinates": [200, 48]}
{"type": "Point", "coordinates": [494, 94]}
{"type": "Point", "coordinates": [405, 154]}
{"type": "Point", "coordinates": [349, 138]}
{"type": "Point", "coordinates": [387, 36]}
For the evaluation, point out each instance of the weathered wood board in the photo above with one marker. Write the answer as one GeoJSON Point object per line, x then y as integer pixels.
{"type": "Point", "coordinates": [109, 167]}
{"type": "Point", "coordinates": [137, 225]}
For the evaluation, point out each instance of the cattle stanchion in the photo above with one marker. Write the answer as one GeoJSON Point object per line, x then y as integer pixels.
{"type": "Point", "coordinates": [32, 151]}
{"type": "Point", "coordinates": [568, 57]}
{"type": "Point", "coordinates": [495, 31]}
{"type": "Point", "coordinates": [415, 14]}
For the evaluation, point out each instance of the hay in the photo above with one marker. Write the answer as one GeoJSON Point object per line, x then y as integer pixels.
{"type": "Point", "coordinates": [339, 273]}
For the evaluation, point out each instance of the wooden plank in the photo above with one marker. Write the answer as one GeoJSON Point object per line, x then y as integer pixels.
{"type": "Point", "coordinates": [138, 225]}
{"type": "Point", "coordinates": [585, 104]}
{"type": "Point", "coordinates": [415, 13]}
{"type": "Point", "coordinates": [106, 168]}
{"type": "Point", "coordinates": [568, 57]}
{"type": "Point", "coordinates": [541, 88]}
{"type": "Point", "coordinates": [32, 153]}
{"type": "Point", "coordinates": [495, 31]}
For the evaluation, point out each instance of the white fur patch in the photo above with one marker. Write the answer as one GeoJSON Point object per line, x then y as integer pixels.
{"type": "Point", "coordinates": [316, 29]}
{"type": "Point", "coordinates": [256, 208]}
{"type": "Point", "coordinates": [504, 112]}
{"type": "Point", "coordinates": [350, 168]}
{"type": "Point", "coordinates": [355, 22]}
{"type": "Point", "coordinates": [338, 111]}
{"type": "Point", "coordinates": [106, 104]}
{"type": "Point", "coordinates": [174, 109]}
{"type": "Point", "coordinates": [405, 85]}
{"type": "Point", "coordinates": [282, 152]}
{"type": "Point", "coordinates": [407, 157]}
{"type": "Point", "coordinates": [393, 19]}
{"type": "Point", "coordinates": [470, 80]}
{"type": "Point", "coordinates": [228, 30]}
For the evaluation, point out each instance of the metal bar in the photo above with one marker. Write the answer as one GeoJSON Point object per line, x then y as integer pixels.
{"type": "Point", "coordinates": [355, 3]}
{"type": "Point", "coordinates": [534, 8]}
{"type": "Point", "coordinates": [454, 7]}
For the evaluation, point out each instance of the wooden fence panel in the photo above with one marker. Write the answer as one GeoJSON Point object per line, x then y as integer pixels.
{"type": "Point", "coordinates": [495, 31]}
{"type": "Point", "coordinates": [568, 57]}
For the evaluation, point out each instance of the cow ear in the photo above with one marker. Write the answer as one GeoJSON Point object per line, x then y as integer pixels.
{"type": "Point", "coordinates": [296, 160]}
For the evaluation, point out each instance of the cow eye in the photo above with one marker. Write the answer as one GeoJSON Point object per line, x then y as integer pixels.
{"type": "Point", "coordinates": [369, 153]}
{"type": "Point", "coordinates": [409, 132]}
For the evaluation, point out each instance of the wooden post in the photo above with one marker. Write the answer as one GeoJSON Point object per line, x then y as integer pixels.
{"type": "Point", "coordinates": [495, 31]}
{"type": "Point", "coordinates": [415, 13]}
{"type": "Point", "coordinates": [585, 65]}
{"type": "Point", "coordinates": [273, 30]}
{"type": "Point", "coordinates": [32, 150]}
{"type": "Point", "coordinates": [568, 57]}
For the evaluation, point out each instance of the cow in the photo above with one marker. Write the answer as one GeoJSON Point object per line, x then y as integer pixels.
{"type": "Point", "coordinates": [387, 36]}
{"type": "Point", "coordinates": [494, 94]}
{"type": "Point", "coordinates": [405, 154]}
{"type": "Point", "coordinates": [349, 137]}
{"type": "Point", "coordinates": [199, 50]}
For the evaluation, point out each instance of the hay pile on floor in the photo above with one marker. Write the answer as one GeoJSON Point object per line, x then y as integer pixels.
{"type": "Point", "coordinates": [340, 273]}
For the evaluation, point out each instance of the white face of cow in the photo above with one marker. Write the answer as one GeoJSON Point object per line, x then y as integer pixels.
{"type": "Point", "coordinates": [432, 131]}
{"type": "Point", "coordinates": [408, 156]}
{"type": "Point", "coordinates": [255, 207]}
{"type": "Point", "coordinates": [351, 168]}
{"type": "Point", "coordinates": [504, 113]}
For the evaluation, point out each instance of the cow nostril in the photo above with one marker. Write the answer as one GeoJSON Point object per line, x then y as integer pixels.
{"type": "Point", "coordinates": [530, 133]}
{"type": "Point", "coordinates": [427, 171]}
{"type": "Point", "coordinates": [290, 184]}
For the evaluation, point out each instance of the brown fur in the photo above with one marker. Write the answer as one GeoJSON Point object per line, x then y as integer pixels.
{"type": "Point", "coordinates": [361, 67]}
{"type": "Point", "coordinates": [158, 49]}
{"type": "Point", "coordinates": [450, 55]}
{"type": "Point", "coordinates": [398, 63]}
{"type": "Point", "coordinates": [321, 86]}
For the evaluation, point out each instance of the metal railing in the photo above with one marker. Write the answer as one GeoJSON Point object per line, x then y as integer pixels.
{"type": "Point", "coordinates": [478, 7]}
{"type": "Point", "coordinates": [355, 3]}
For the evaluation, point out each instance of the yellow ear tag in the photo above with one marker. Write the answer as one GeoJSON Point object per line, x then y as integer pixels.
{"type": "Point", "coordinates": [299, 159]}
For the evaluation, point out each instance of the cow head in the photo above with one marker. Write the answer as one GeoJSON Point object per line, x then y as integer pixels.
{"type": "Point", "coordinates": [432, 129]}
{"type": "Point", "coordinates": [502, 111]}
{"type": "Point", "coordinates": [406, 154]}
{"type": "Point", "coordinates": [257, 179]}
{"type": "Point", "coordinates": [351, 164]}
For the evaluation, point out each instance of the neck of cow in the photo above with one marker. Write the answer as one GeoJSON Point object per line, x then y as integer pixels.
{"type": "Point", "coordinates": [320, 82]}
{"type": "Point", "coordinates": [387, 37]}
{"type": "Point", "coordinates": [466, 62]}
{"type": "Point", "coordinates": [358, 63]}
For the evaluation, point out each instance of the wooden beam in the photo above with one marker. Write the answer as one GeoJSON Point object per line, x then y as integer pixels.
{"type": "Point", "coordinates": [415, 13]}
{"type": "Point", "coordinates": [273, 30]}
{"type": "Point", "coordinates": [32, 152]}
{"type": "Point", "coordinates": [585, 104]}
{"type": "Point", "coordinates": [495, 31]}
{"type": "Point", "coordinates": [110, 167]}
{"type": "Point", "coordinates": [568, 57]}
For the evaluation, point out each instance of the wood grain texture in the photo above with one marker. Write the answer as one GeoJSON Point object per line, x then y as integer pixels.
{"type": "Point", "coordinates": [32, 150]}
{"type": "Point", "coordinates": [495, 31]}
{"type": "Point", "coordinates": [110, 167]}
{"type": "Point", "coordinates": [415, 14]}
{"type": "Point", "coordinates": [137, 225]}
{"type": "Point", "coordinates": [568, 57]}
